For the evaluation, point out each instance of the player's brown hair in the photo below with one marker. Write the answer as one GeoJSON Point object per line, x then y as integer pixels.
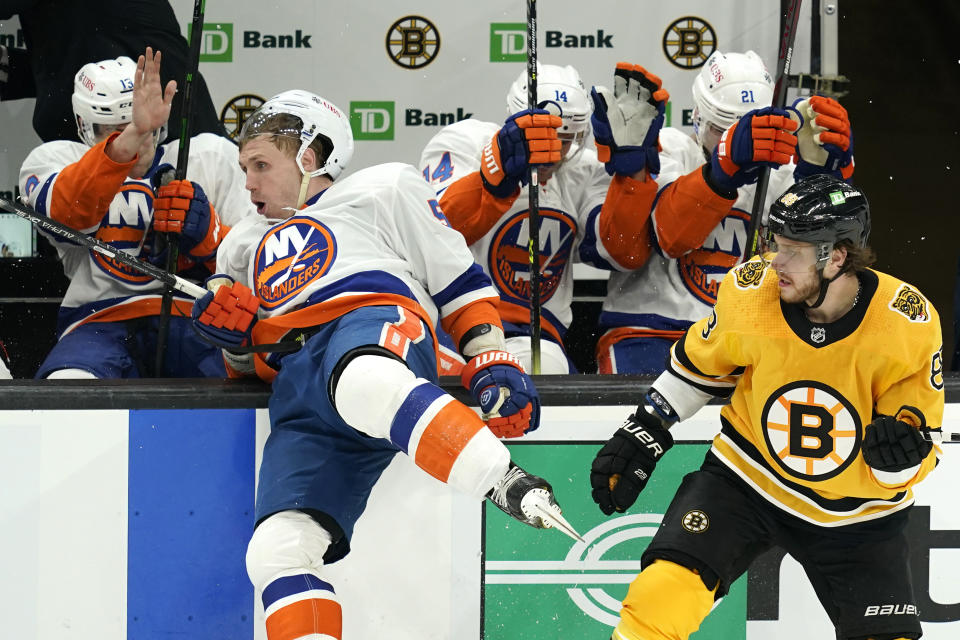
{"type": "Point", "coordinates": [858, 258]}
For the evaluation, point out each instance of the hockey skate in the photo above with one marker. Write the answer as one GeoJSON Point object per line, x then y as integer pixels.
{"type": "Point", "coordinates": [529, 499]}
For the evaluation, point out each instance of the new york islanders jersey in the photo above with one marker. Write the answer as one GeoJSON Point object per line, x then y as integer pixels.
{"type": "Point", "coordinates": [570, 203]}
{"type": "Point", "coordinates": [679, 282]}
{"type": "Point", "coordinates": [81, 187]}
{"type": "Point", "coordinates": [803, 393]}
{"type": "Point", "coordinates": [376, 237]}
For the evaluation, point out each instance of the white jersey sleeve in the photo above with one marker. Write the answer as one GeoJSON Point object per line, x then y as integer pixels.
{"type": "Point", "coordinates": [418, 231]}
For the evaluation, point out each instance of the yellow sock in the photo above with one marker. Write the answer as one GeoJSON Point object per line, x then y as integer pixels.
{"type": "Point", "coordinates": [665, 602]}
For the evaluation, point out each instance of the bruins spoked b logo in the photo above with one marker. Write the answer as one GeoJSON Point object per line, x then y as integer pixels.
{"type": "Point", "coordinates": [413, 42]}
{"type": "Point", "coordinates": [236, 112]}
{"type": "Point", "coordinates": [695, 521]}
{"type": "Point", "coordinates": [811, 430]}
{"type": "Point", "coordinates": [688, 42]}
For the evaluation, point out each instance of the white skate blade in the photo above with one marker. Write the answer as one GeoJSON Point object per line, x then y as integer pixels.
{"type": "Point", "coordinates": [551, 518]}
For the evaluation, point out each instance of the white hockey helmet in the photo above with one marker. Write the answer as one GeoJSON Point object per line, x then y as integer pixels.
{"type": "Point", "coordinates": [103, 95]}
{"type": "Point", "coordinates": [559, 90]}
{"type": "Point", "coordinates": [317, 116]}
{"type": "Point", "coordinates": [728, 86]}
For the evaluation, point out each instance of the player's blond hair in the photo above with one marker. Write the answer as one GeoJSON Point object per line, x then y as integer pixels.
{"type": "Point", "coordinates": [271, 128]}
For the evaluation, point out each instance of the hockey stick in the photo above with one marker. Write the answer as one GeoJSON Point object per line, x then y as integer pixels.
{"type": "Point", "coordinates": [46, 224]}
{"type": "Point", "coordinates": [533, 247]}
{"type": "Point", "coordinates": [945, 437]}
{"type": "Point", "coordinates": [171, 280]}
{"type": "Point", "coordinates": [180, 173]}
{"type": "Point", "coordinates": [791, 19]}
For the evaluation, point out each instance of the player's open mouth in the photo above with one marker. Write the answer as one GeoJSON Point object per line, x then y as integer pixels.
{"type": "Point", "coordinates": [260, 206]}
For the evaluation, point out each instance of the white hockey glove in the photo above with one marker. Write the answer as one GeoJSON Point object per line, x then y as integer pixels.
{"type": "Point", "coordinates": [824, 139]}
{"type": "Point", "coordinates": [626, 123]}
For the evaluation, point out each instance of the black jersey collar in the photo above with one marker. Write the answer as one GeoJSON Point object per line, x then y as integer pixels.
{"type": "Point", "coordinates": [818, 334]}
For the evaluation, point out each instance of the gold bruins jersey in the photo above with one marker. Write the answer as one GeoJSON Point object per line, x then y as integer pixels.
{"type": "Point", "coordinates": [803, 393]}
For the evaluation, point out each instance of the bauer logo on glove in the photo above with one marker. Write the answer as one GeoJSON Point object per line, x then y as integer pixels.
{"type": "Point", "coordinates": [508, 400]}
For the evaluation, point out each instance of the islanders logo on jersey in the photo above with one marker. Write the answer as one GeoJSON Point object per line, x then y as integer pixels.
{"type": "Point", "coordinates": [703, 269]}
{"type": "Point", "coordinates": [812, 431]}
{"type": "Point", "coordinates": [125, 227]}
{"type": "Point", "coordinates": [910, 303]}
{"type": "Point", "coordinates": [290, 256]}
{"type": "Point", "coordinates": [509, 259]}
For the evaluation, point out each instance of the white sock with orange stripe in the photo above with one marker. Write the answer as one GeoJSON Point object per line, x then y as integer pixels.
{"type": "Point", "coordinates": [284, 561]}
{"type": "Point", "coordinates": [381, 397]}
{"type": "Point", "coordinates": [302, 607]}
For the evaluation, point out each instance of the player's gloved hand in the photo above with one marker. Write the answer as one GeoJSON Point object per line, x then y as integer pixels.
{"type": "Point", "coordinates": [623, 466]}
{"type": "Point", "coordinates": [893, 445]}
{"type": "Point", "coordinates": [181, 207]}
{"type": "Point", "coordinates": [824, 139]}
{"type": "Point", "coordinates": [508, 400]}
{"type": "Point", "coordinates": [527, 138]}
{"type": "Point", "coordinates": [626, 123]}
{"type": "Point", "coordinates": [762, 137]}
{"type": "Point", "coordinates": [227, 313]}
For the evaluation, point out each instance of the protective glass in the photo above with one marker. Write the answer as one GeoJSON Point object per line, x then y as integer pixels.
{"type": "Point", "coordinates": [788, 258]}
{"type": "Point", "coordinates": [272, 123]}
{"type": "Point", "coordinates": [708, 133]}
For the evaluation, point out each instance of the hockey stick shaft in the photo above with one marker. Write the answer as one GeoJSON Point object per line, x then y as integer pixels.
{"type": "Point", "coordinates": [180, 172]}
{"type": "Point", "coordinates": [944, 437]}
{"type": "Point", "coordinates": [534, 193]}
{"type": "Point", "coordinates": [787, 39]}
{"type": "Point", "coordinates": [46, 224]}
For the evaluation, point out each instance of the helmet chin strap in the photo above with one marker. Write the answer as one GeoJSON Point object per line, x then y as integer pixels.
{"type": "Point", "coordinates": [824, 284]}
{"type": "Point", "coordinates": [304, 183]}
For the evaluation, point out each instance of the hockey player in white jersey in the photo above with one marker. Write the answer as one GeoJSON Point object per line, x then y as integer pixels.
{"type": "Point", "coordinates": [702, 212]}
{"type": "Point", "coordinates": [107, 323]}
{"type": "Point", "coordinates": [358, 270]}
{"type": "Point", "coordinates": [479, 171]}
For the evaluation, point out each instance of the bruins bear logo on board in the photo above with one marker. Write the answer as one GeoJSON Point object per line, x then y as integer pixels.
{"type": "Point", "coordinates": [750, 274]}
{"type": "Point", "coordinates": [910, 303]}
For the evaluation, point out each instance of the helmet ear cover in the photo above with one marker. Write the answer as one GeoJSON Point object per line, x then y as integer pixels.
{"type": "Point", "coordinates": [309, 118]}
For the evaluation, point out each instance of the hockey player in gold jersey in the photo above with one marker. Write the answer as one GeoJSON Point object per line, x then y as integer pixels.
{"type": "Point", "coordinates": [835, 380]}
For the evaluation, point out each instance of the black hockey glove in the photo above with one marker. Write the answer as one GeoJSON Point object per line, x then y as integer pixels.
{"type": "Point", "coordinates": [893, 445]}
{"type": "Point", "coordinates": [624, 464]}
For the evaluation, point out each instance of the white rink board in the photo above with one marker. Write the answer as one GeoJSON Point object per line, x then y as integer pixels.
{"type": "Point", "coordinates": [414, 572]}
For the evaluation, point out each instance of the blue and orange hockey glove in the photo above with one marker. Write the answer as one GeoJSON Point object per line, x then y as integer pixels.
{"type": "Point", "coordinates": [508, 400]}
{"type": "Point", "coordinates": [762, 137]}
{"type": "Point", "coordinates": [527, 138]}
{"type": "Point", "coordinates": [626, 123]}
{"type": "Point", "coordinates": [181, 207]}
{"type": "Point", "coordinates": [227, 313]}
{"type": "Point", "coordinates": [824, 139]}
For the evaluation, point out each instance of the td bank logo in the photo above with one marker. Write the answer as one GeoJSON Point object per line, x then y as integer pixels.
{"type": "Point", "coordinates": [217, 43]}
{"type": "Point", "coordinates": [372, 120]}
{"type": "Point", "coordinates": [508, 42]}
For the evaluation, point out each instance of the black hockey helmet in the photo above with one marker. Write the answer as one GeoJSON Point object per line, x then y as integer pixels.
{"type": "Point", "coordinates": [821, 210]}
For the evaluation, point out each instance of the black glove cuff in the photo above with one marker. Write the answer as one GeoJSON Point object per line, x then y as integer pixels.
{"type": "Point", "coordinates": [721, 191]}
{"type": "Point", "coordinates": [507, 187]}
